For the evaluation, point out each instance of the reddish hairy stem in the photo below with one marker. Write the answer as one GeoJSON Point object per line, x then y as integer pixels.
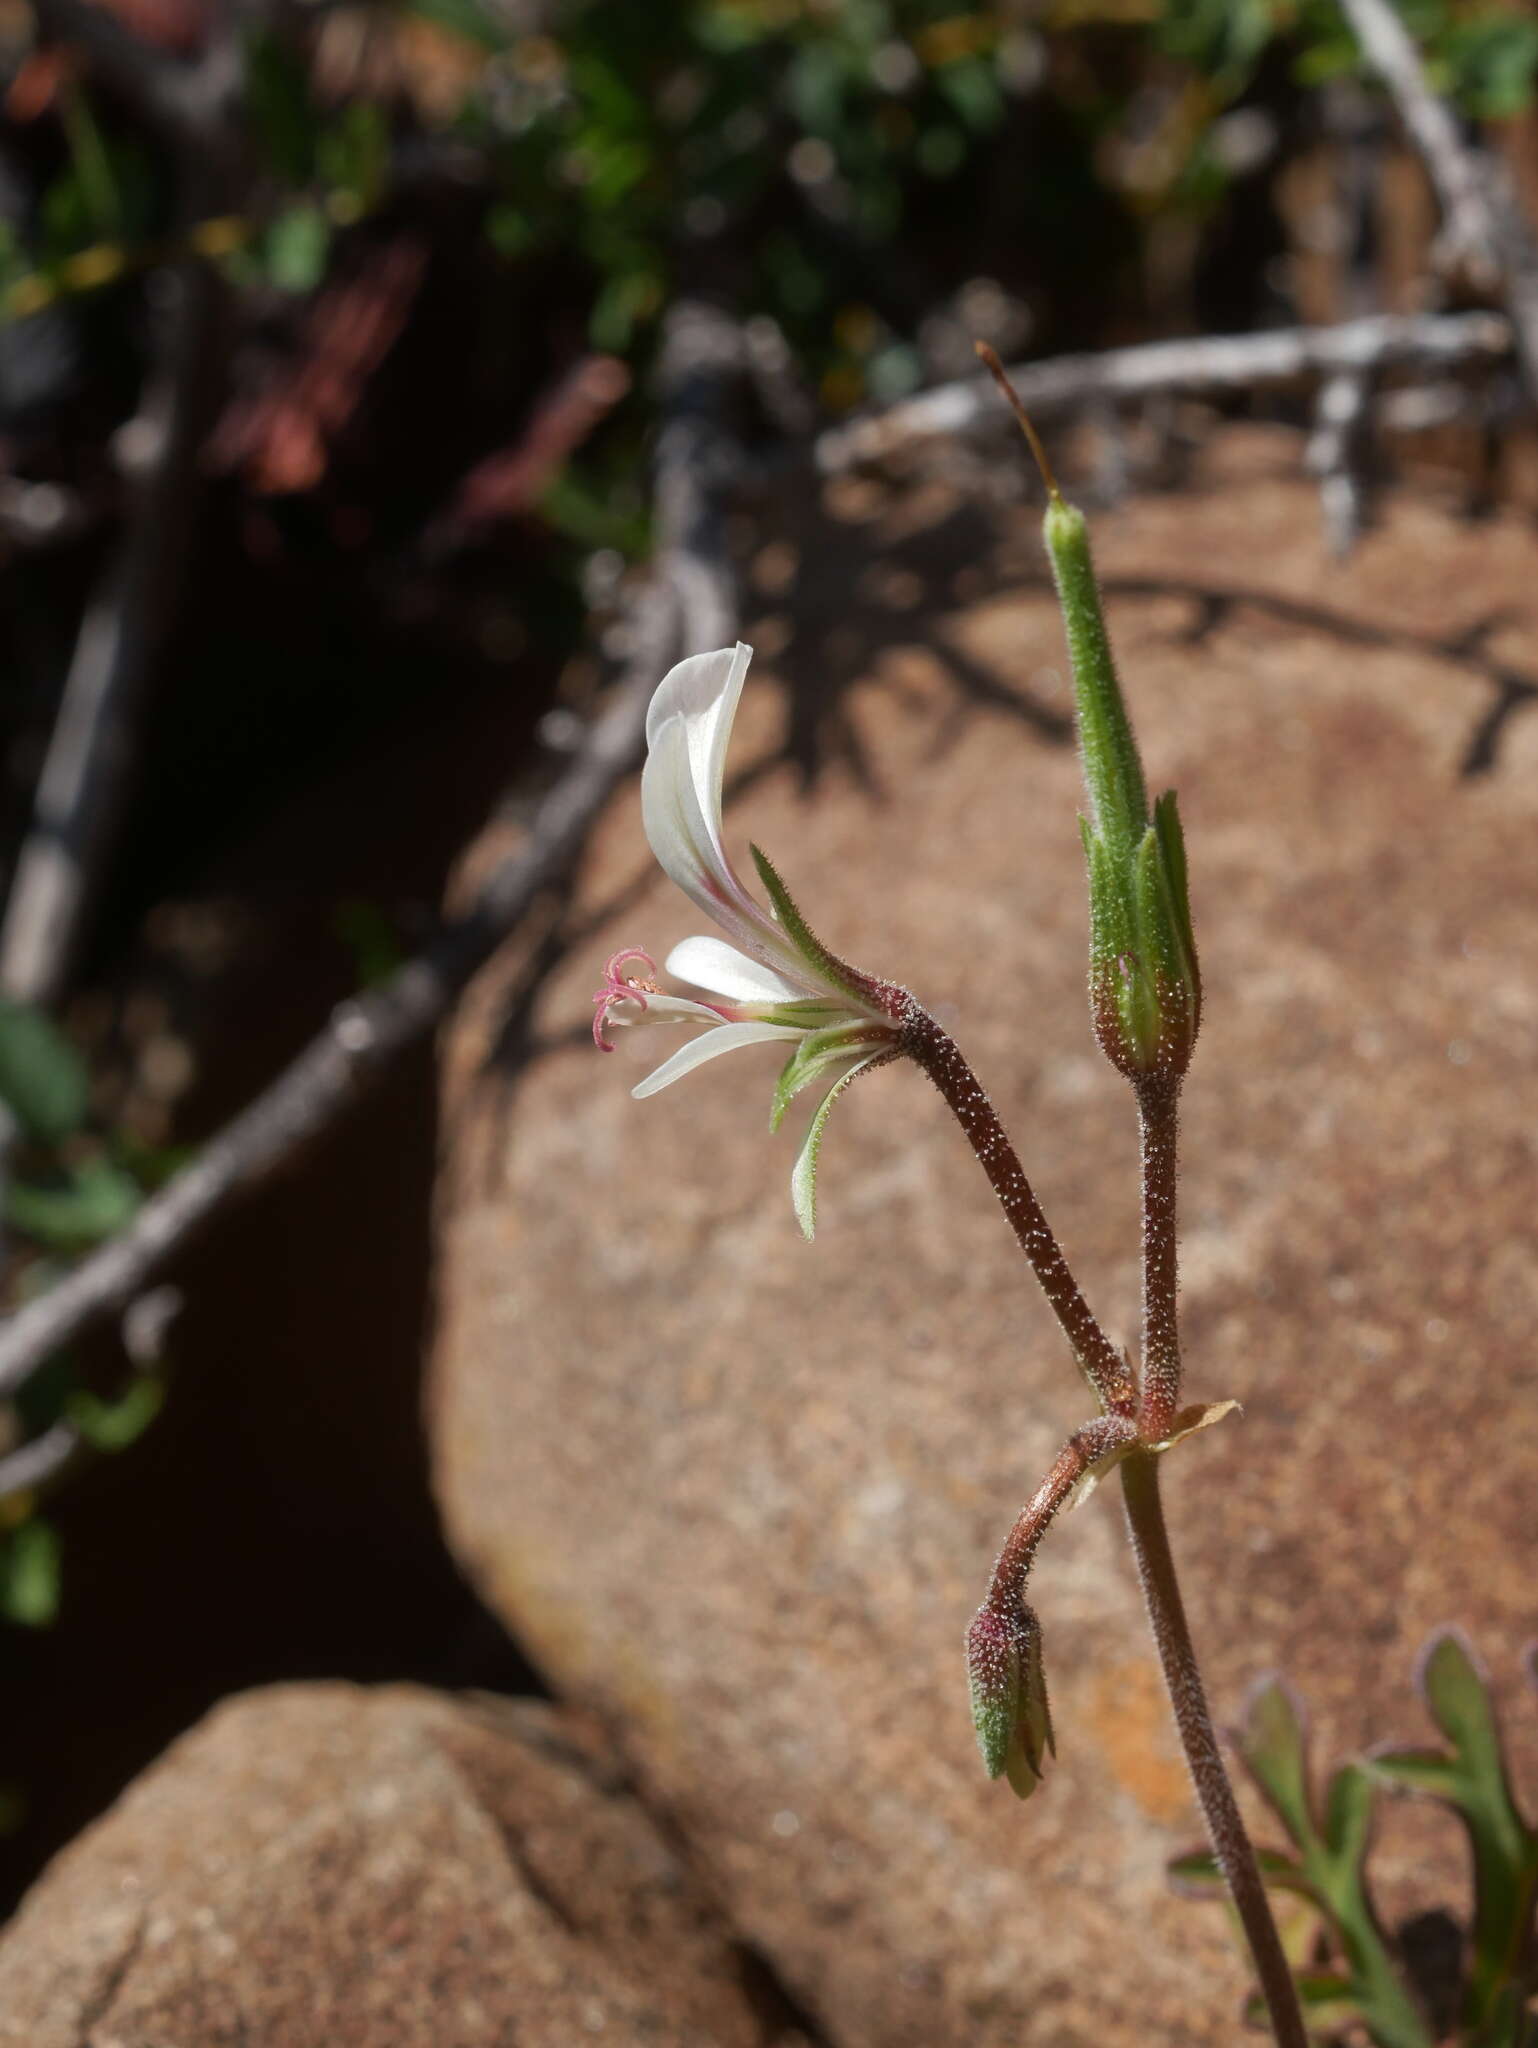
{"type": "Point", "coordinates": [1158, 1099]}
{"type": "Point", "coordinates": [940, 1057]}
{"type": "Point", "coordinates": [1215, 1794]}
{"type": "Point", "coordinates": [1084, 1448]}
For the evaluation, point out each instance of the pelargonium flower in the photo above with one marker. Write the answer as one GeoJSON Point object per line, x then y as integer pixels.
{"type": "Point", "coordinates": [775, 980]}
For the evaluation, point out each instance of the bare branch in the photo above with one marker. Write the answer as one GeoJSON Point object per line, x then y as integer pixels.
{"type": "Point", "coordinates": [189, 101]}
{"type": "Point", "coordinates": [32, 1465]}
{"type": "Point", "coordinates": [1242, 362]}
{"type": "Point", "coordinates": [688, 602]}
{"type": "Point", "coordinates": [1470, 234]}
{"type": "Point", "coordinates": [83, 783]}
{"type": "Point", "coordinates": [1334, 448]}
{"type": "Point", "coordinates": [1483, 227]}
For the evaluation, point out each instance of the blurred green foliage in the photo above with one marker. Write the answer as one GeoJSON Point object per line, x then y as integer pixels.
{"type": "Point", "coordinates": [1351, 1975]}
{"type": "Point", "coordinates": [781, 150]}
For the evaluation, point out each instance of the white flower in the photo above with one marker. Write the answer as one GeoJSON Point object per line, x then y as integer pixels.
{"type": "Point", "coordinates": [776, 980]}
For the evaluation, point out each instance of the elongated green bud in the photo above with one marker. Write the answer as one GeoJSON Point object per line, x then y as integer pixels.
{"type": "Point", "coordinates": [1144, 981]}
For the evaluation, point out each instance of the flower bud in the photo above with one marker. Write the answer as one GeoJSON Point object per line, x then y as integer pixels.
{"type": "Point", "coordinates": [1145, 985]}
{"type": "Point", "coordinates": [1009, 1696]}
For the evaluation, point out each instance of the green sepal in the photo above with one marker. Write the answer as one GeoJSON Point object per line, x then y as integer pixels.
{"type": "Point", "coordinates": [818, 1051]}
{"type": "Point", "coordinates": [803, 1178]}
{"type": "Point", "coordinates": [800, 933]}
{"type": "Point", "coordinates": [1111, 931]}
{"type": "Point", "coordinates": [1172, 843]}
{"type": "Point", "coordinates": [1032, 1738]}
{"type": "Point", "coordinates": [1008, 1687]}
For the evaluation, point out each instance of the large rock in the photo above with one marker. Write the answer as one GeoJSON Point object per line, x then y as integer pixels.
{"type": "Point", "coordinates": [326, 1867]}
{"type": "Point", "coordinates": [742, 1494]}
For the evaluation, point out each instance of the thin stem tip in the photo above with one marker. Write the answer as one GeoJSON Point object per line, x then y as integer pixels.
{"type": "Point", "coordinates": [989, 358]}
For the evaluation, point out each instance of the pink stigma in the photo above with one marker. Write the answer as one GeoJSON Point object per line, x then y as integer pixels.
{"type": "Point", "coordinates": [618, 989]}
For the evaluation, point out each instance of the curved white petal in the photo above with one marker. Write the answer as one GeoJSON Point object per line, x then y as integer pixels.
{"type": "Point", "coordinates": [689, 852]}
{"type": "Point", "coordinates": [711, 963]}
{"type": "Point", "coordinates": [709, 1046]}
{"type": "Point", "coordinates": [703, 692]}
{"type": "Point", "coordinates": [665, 1009]}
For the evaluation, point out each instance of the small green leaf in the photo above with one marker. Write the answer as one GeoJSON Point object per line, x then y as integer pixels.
{"type": "Point", "coordinates": [88, 1202]}
{"type": "Point", "coordinates": [296, 246]}
{"type": "Point", "coordinates": [1417, 1770]}
{"type": "Point", "coordinates": [1504, 1847]}
{"type": "Point", "coordinates": [29, 1574]}
{"type": "Point", "coordinates": [43, 1079]}
{"type": "Point", "coordinates": [114, 1425]}
{"type": "Point", "coordinates": [1348, 1814]}
{"type": "Point", "coordinates": [1272, 1747]}
{"type": "Point", "coordinates": [1198, 1871]}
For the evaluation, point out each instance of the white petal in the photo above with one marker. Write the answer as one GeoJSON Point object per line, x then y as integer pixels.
{"type": "Point", "coordinates": [709, 1046]}
{"type": "Point", "coordinates": [687, 851]}
{"type": "Point", "coordinates": [703, 691]}
{"type": "Point", "coordinates": [665, 1009]}
{"type": "Point", "coordinates": [711, 963]}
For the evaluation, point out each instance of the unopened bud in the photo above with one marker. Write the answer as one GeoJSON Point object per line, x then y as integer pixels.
{"type": "Point", "coordinates": [1009, 1696]}
{"type": "Point", "coordinates": [1145, 986]}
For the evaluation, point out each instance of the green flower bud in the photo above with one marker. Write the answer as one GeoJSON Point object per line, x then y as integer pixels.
{"type": "Point", "coordinates": [1009, 1696]}
{"type": "Point", "coordinates": [1145, 985]}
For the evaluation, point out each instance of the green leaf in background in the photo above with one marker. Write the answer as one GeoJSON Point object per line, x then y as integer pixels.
{"type": "Point", "coordinates": [369, 934]}
{"type": "Point", "coordinates": [1472, 1779]}
{"type": "Point", "coordinates": [353, 156]}
{"type": "Point", "coordinates": [114, 1425]}
{"type": "Point", "coordinates": [295, 248]}
{"type": "Point", "coordinates": [280, 107]}
{"type": "Point", "coordinates": [1332, 1857]}
{"type": "Point", "coordinates": [42, 1077]}
{"type": "Point", "coordinates": [1272, 1747]}
{"type": "Point", "coordinates": [29, 1574]}
{"type": "Point", "coordinates": [85, 1204]}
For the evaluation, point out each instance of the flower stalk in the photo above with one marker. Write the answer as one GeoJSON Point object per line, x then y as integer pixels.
{"type": "Point", "coordinates": [771, 980]}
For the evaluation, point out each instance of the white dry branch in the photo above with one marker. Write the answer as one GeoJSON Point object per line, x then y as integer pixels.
{"type": "Point", "coordinates": [1239, 362]}
{"type": "Point", "coordinates": [1483, 231]}
{"type": "Point", "coordinates": [687, 602]}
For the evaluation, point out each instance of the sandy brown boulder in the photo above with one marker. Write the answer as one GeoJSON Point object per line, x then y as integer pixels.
{"type": "Point", "coordinates": [329, 1867]}
{"type": "Point", "coordinates": [742, 1493]}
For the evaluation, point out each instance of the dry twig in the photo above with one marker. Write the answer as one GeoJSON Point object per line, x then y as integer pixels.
{"type": "Point", "coordinates": [688, 602]}
{"type": "Point", "coordinates": [1483, 230]}
{"type": "Point", "coordinates": [1220, 363]}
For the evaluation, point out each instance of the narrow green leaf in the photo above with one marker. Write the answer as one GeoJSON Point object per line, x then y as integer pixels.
{"type": "Point", "coordinates": [1272, 1747]}
{"type": "Point", "coordinates": [42, 1077]}
{"type": "Point", "coordinates": [29, 1574]}
{"type": "Point", "coordinates": [1430, 1771]}
{"type": "Point", "coordinates": [87, 1203]}
{"type": "Point", "coordinates": [114, 1425]}
{"type": "Point", "coordinates": [1503, 1846]}
{"type": "Point", "coordinates": [1348, 1814]}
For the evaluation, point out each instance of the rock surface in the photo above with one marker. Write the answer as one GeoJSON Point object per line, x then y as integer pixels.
{"type": "Point", "coordinates": [742, 1494]}
{"type": "Point", "coordinates": [328, 1867]}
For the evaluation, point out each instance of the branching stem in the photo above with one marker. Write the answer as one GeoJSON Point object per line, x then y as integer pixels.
{"type": "Point", "coordinates": [1215, 1794]}
{"type": "Point", "coordinates": [1146, 1411]}
{"type": "Point", "coordinates": [1086, 1447]}
{"type": "Point", "coordinates": [940, 1057]}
